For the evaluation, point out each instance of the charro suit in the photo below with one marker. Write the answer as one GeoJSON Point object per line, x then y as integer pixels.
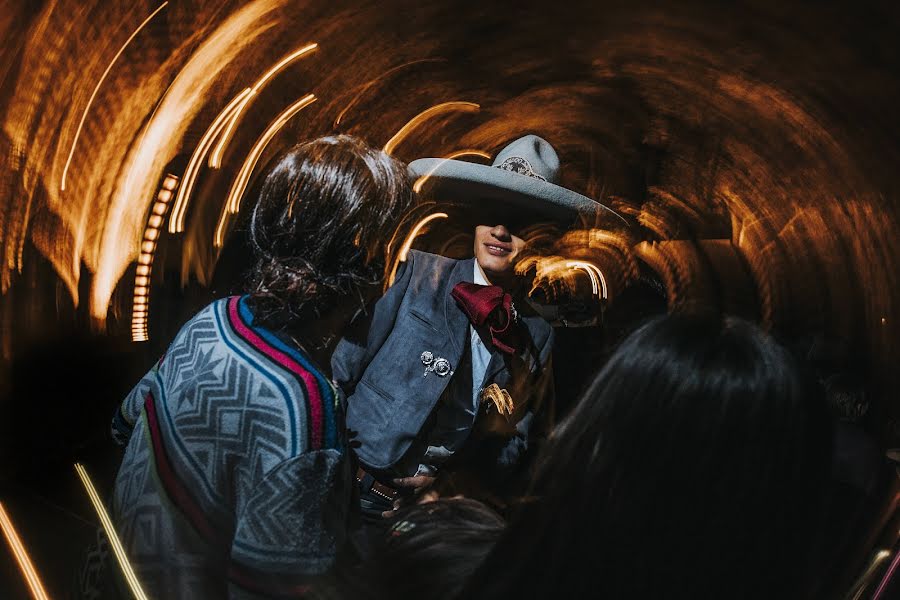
{"type": "Point", "coordinates": [391, 401]}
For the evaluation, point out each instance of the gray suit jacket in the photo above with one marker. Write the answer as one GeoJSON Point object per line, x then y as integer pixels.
{"type": "Point", "coordinates": [381, 372]}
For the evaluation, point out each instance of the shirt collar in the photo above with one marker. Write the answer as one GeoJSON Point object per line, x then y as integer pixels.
{"type": "Point", "coordinates": [479, 277]}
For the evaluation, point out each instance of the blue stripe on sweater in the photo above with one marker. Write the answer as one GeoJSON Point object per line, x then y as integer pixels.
{"type": "Point", "coordinates": [328, 400]}
{"type": "Point", "coordinates": [262, 371]}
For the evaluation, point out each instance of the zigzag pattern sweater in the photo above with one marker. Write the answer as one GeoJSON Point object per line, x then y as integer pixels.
{"type": "Point", "coordinates": [233, 481]}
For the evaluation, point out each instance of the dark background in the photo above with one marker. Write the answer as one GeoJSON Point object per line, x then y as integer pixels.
{"type": "Point", "coordinates": [752, 145]}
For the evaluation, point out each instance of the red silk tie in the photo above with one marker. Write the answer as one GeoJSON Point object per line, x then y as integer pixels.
{"type": "Point", "coordinates": [488, 306]}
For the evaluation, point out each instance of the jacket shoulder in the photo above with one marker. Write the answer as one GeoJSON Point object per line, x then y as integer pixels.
{"type": "Point", "coordinates": [426, 261]}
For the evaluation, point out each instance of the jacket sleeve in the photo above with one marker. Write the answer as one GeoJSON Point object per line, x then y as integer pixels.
{"type": "Point", "coordinates": [129, 411]}
{"type": "Point", "coordinates": [355, 351]}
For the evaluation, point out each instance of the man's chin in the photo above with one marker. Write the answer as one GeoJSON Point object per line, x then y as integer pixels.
{"type": "Point", "coordinates": [495, 272]}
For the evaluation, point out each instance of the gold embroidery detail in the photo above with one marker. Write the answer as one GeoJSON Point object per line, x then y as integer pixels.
{"type": "Point", "coordinates": [499, 397]}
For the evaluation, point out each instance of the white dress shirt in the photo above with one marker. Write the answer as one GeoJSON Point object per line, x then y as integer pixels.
{"type": "Point", "coordinates": [481, 356]}
{"type": "Point", "coordinates": [454, 421]}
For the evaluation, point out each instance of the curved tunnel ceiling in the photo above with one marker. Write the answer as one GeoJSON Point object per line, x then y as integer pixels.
{"type": "Point", "coordinates": [769, 129]}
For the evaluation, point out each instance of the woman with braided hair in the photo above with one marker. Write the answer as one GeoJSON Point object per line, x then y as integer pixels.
{"type": "Point", "coordinates": [234, 477]}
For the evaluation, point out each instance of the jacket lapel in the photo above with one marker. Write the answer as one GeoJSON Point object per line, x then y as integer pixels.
{"type": "Point", "coordinates": [495, 366]}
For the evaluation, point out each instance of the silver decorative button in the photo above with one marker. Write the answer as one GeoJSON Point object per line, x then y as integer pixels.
{"type": "Point", "coordinates": [442, 367]}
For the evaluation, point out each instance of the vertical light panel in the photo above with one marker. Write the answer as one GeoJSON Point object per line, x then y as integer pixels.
{"type": "Point", "coordinates": [140, 311]}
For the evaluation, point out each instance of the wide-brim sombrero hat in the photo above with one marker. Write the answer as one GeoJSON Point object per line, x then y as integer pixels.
{"type": "Point", "coordinates": [524, 175]}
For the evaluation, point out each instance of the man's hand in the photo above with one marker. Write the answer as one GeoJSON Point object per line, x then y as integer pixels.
{"type": "Point", "coordinates": [418, 484]}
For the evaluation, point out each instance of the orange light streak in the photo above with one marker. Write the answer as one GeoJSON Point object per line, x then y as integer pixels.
{"type": "Point", "coordinates": [111, 534]}
{"type": "Point", "coordinates": [407, 243]}
{"type": "Point", "coordinates": [115, 242]}
{"type": "Point", "coordinates": [179, 209]}
{"type": "Point", "coordinates": [864, 581]}
{"type": "Point", "coordinates": [18, 549]}
{"type": "Point", "coordinates": [403, 133]}
{"type": "Point", "coordinates": [62, 181]}
{"type": "Point", "coordinates": [215, 158]}
{"type": "Point", "coordinates": [233, 202]}
{"type": "Point", "coordinates": [594, 273]}
{"type": "Point", "coordinates": [369, 84]}
{"type": "Point", "coordinates": [552, 273]}
{"type": "Point", "coordinates": [417, 186]}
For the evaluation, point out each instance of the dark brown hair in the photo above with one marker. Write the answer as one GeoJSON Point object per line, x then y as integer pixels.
{"type": "Point", "coordinates": [693, 467]}
{"type": "Point", "coordinates": [321, 227]}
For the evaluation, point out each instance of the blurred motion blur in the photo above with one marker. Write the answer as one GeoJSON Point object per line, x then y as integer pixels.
{"type": "Point", "coordinates": [751, 148]}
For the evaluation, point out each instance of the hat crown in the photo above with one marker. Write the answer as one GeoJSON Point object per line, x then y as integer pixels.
{"type": "Point", "coordinates": [531, 156]}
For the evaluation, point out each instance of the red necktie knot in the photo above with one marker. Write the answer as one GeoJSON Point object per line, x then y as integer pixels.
{"type": "Point", "coordinates": [490, 310]}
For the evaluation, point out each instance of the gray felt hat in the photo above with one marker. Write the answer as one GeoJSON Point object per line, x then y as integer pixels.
{"type": "Point", "coordinates": [525, 174]}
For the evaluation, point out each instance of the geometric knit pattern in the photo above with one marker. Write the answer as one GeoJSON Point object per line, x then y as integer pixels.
{"type": "Point", "coordinates": [233, 479]}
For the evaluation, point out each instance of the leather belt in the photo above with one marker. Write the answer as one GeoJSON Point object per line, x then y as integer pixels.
{"type": "Point", "coordinates": [385, 491]}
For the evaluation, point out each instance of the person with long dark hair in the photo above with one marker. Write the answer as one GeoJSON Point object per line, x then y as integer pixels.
{"type": "Point", "coordinates": [235, 479]}
{"type": "Point", "coordinates": [692, 467]}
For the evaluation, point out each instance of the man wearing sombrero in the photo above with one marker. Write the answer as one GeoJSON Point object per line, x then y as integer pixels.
{"type": "Point", "coordinates": [453, 346]}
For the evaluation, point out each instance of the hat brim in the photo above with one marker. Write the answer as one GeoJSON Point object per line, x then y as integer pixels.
{"type": "Point", "coordinates": [461, 181]}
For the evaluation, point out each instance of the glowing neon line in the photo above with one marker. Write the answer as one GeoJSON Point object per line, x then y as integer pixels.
{"type": "Point", "coordinates": [407, 243]}
{"type": "Point", "coordinates": [111, 534]}
{"type": "Point", "coordinates": [215, 159]}
{"type": "Point", "coordinates": [139, 317]}
{"type": "Point", "coordinates": [469, 107]}
{"type": "Point", "coordinates": [233, 202]}
{"type": "Point", "coordinates": [594, 273]}
{"type": "Point", "coordinates": [283, 63]}
{"type": "Point", "coordinates": [417, 186]}
{"type": "Point", "coordinates": [888, 576]}
{"type": "Point", "coordinates": [369, 84]}
{"type": "Point", "coordinates": [179, 209]}
{"type": "Point", "coordinates": [18, 549]}
{"type": "Point", "coordinates": [62, 182]}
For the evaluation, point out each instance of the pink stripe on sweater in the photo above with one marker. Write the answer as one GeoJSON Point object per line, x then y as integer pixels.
{"type": "Point", "coordinates": [316, 410]}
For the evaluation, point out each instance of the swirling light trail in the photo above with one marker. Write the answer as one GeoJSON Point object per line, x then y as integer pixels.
{"type": "Point", "coordinates": [407, 244]}
{"type": "Point", "coordinates": [141, 306]}
{"type": "Point", "coordinates": [865, 580]}
{"type": "Point", "coordinates": [233, 202]}
{"type": "Point", "coordinates": [594, 273]}
{"type": "Point", "coordinates": [551, 273]}
{"type": "Point", "coordinates": [62, 180]}
{"type": "Point", "coordinates": [366, 86]}
{"type": "Point", "coordinates": [18, 549]}
{"type": "Point", "coordinates": [215, 159]}
{"type": "Point", "coordinates": [179, 209]}
{"type": "Point", "coordinates": [430, 113]}
{"type": "Point", "coordinates": [114, 542]}
{"type": "Point", "coordinates": [417, 186]}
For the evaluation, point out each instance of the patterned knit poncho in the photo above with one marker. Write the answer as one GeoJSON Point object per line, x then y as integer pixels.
{"type": "Point", "coordinates": [234, 482]}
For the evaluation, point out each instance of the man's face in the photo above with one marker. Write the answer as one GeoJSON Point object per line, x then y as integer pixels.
{"type": "Point", "coordinates": [497, 250]}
